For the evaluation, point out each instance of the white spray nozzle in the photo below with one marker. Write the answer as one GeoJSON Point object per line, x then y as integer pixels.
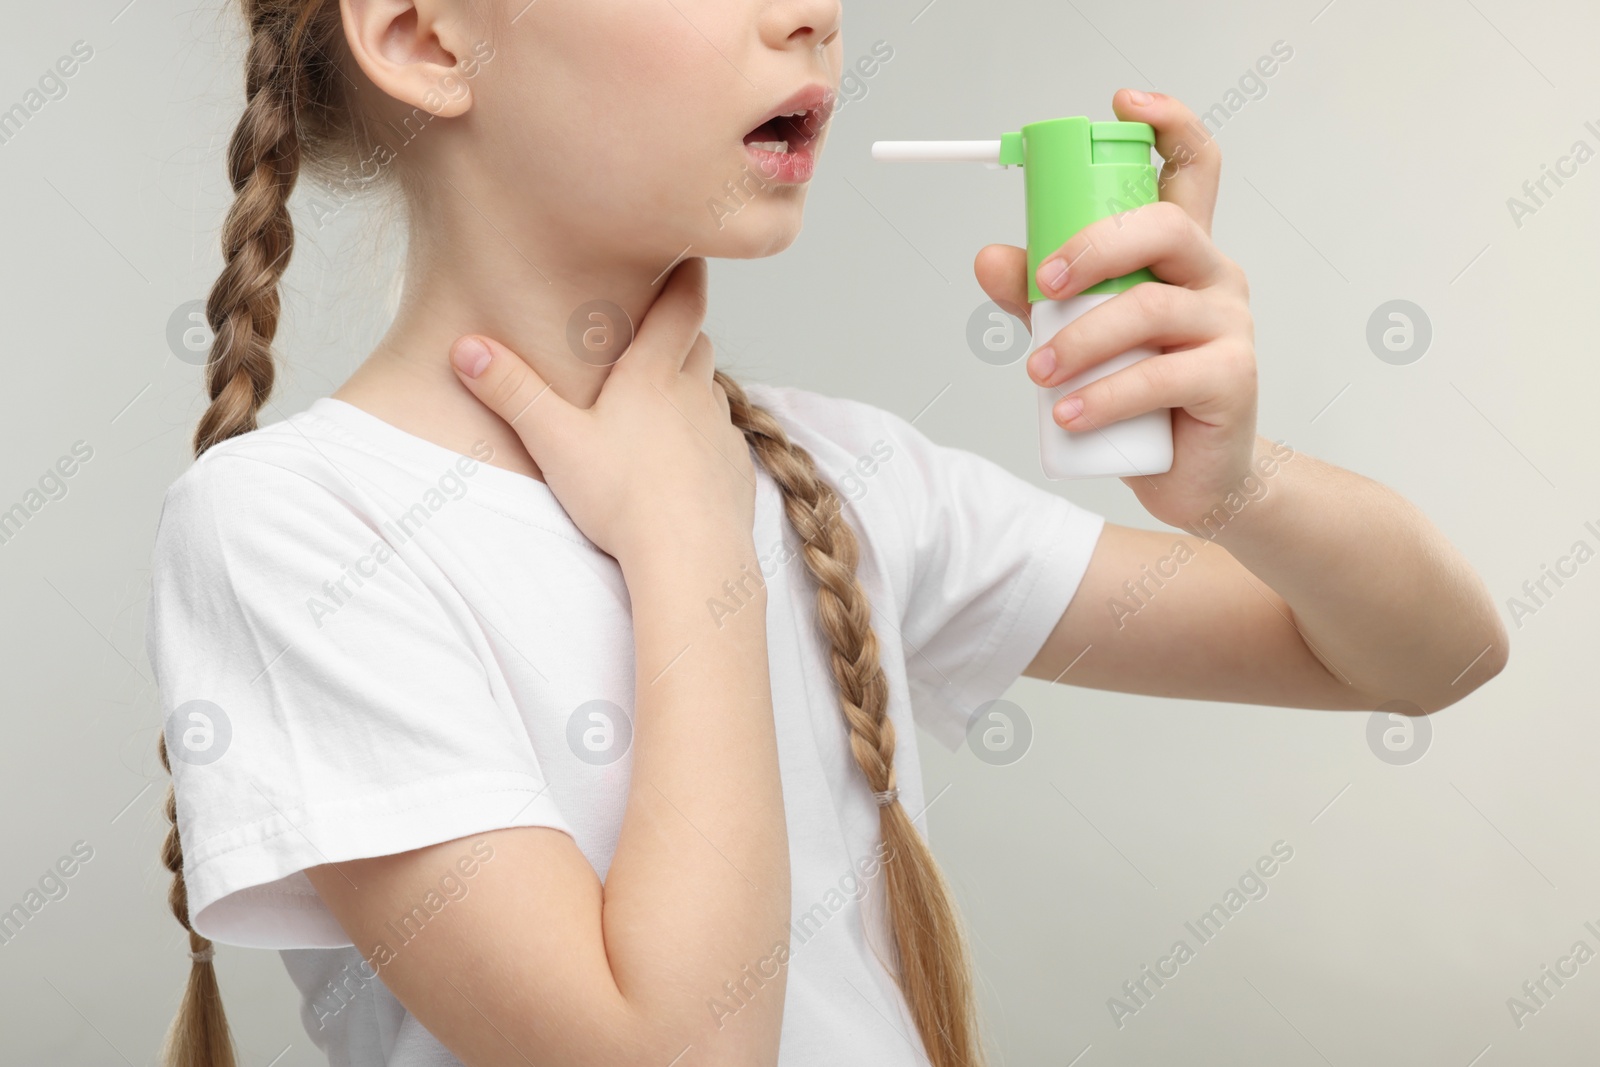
{"type": "Point", "coordinates": [937, 152]}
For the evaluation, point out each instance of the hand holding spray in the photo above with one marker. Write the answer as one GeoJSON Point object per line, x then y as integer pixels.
{"type": "Point", "coordinates": [1075, 172]}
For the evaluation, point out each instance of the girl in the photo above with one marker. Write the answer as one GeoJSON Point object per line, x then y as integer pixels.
{"type": "Point", "coordinates": [546, 696]}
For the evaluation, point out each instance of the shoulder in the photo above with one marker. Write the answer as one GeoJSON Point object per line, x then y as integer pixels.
{"type": "Point", "coordinates": [856, 443]}
{"type": "Point", "coordinates": [254, 540]}
{"type": "Point", "coordinates": [236, 468]}
{"type": "Point", "coordinates": [814, 416]}
{"type": "Point", "coordinates": [849, 439]}
{"type": "Point", "coordinates": [277, 479]}
{"type": "Point", "coordinates": [887, 474]}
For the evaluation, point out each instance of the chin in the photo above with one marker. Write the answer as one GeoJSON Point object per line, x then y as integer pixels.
{"type": "Point", "coordinates": [761, 229]}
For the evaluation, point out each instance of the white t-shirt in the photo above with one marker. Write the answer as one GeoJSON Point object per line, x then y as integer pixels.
{"type": "Point", "coordinates": [366, 643]}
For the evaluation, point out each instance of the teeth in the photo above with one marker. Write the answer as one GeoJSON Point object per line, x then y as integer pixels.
{"type": "Point", "coordinates": [771, 146]}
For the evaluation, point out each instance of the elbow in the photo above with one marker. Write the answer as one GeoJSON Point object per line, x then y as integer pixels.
{"type": "Point", "coordinates": [1478, 643]}
{"type": "Point", "coordinates": [1499, 653]}
{"type": "Point", "coordinates": [1453, 675]}
{"type": "Point", "coordinates": [1492, 651]}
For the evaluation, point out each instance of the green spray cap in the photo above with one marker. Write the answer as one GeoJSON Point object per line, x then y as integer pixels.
{"type": "Point", "coordinates": [1075, 172]}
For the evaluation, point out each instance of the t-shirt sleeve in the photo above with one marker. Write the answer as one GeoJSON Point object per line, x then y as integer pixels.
{"type": "Point", "coordinates": [323, 700]}
{"type": "Point", "coordinates": [993, 563]}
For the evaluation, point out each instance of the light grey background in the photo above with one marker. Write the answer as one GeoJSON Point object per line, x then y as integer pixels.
{"type": "Point", "coordinates": [1377, 166]}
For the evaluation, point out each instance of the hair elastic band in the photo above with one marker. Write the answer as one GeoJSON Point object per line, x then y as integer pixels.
{"type": "Point", "coordinates": [204, 955]}
{"type": "Point", "coordinates": [887, 797]}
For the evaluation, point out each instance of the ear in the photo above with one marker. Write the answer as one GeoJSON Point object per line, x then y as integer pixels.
{"type": "Point", "coordinates": [409, 50]}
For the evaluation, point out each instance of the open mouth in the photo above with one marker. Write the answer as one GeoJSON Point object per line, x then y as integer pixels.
{"type": "Point", "coordinates": [783, 139]}
{"type": "Point", "coordinates": [787, 133]}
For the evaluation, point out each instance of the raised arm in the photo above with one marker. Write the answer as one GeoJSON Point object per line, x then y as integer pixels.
{"type": "Point", "coordinates": [540, 962]}
{"type": "Point", "coordinates": [1301, 584]}
{"type": "Point", "coordinates": [1323, 590]}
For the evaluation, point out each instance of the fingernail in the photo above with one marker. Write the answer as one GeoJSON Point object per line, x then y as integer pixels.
{"type": "Point", "coordinates": [1139, 96]}
{"type": "Point", "coordinates": [1069, 409]}
{"type": "Point", "coordinates": [1042, 363]}
{"type": "Point", "coordinates": [470, 356]}
{"type": "Point", "coordinates": [1053, 274]}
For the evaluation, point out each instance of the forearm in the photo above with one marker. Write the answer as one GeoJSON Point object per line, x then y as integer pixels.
{"type": "Point", "coordinates": [698, 889]}
{"type": "Point", "coordinates": [1375, 590]}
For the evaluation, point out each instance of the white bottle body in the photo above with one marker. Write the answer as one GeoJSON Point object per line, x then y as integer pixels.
{"type": "Point", "coordinates": [1140, 445]}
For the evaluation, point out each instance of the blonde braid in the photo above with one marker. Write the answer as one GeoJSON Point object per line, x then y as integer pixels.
{"type": "Point", "coordinates": [285, 72]}
{"type": "Point", "coordinates": [935, 974]}
{"type": "Point", "coordinates": [263, 163]}
{"type": "Point", "coordinates": [199, 1035]}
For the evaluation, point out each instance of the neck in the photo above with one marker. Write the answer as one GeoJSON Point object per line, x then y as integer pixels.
{"type": "Point", "coordinates": [477, 281]}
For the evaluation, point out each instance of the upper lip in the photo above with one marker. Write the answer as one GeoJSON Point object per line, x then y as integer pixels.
{"type": "Point", "coordinates": [816, 98]}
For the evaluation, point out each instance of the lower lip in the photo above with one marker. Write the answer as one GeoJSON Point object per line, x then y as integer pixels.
{"type": "Point", "coordinates": [792, 167]}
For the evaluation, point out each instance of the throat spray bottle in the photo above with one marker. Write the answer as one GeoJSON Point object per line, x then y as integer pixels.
{"type": "Point", "coordinates": [1075, 172]}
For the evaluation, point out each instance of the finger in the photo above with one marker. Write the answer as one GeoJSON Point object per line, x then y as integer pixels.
{"type": "Point", "coordinates": [1207, 382]}
{"type": "Point", "coordinates": [1193, 164]}
{"type": "Point", "coordinates": [701, 362]}
{"type": "Point", "coordinates": [1002, 272]}
{"type": "Point", "coordinates": [1159, 236]}
{"type": "Point", "coordinates": [1150, 313]}
{"type": "Point", "coordinates": [510, 388]}
{"type": "Point", "coordinates": [672, 323]}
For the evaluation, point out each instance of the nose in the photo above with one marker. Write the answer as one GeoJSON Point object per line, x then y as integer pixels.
{"type": "Point", "coordinates": [808, 23]}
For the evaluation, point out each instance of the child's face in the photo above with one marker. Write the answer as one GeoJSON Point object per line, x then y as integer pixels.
{"type": "Point", "coordinates": [625, 120]}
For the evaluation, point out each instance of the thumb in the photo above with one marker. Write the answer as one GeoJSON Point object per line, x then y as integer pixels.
{"type": "Point", "coordinates": [1002, 272]}
{"type": "Point", "coordinates": [510, 388]}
